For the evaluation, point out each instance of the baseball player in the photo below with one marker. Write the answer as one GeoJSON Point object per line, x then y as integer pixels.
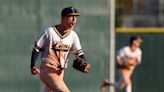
{"type": "Point", "coordinates": [54, 44]}
{"type": "Point", "coordinates": [127, 59]}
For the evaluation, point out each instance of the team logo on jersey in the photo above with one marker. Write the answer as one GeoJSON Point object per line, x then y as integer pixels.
{"type": "Point", "coordinates": [59, 46]}
{"type": "Point", "coordinates": [61, 51]}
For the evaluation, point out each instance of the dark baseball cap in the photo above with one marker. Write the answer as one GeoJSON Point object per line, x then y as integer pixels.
{"type": "Point", "coordinates": [70, 11]}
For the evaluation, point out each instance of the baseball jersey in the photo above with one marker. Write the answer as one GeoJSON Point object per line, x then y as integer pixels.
{"type": "Point", "coordinates": [55, 47]}
{"type": "Point", "coordinates": [126, 53]}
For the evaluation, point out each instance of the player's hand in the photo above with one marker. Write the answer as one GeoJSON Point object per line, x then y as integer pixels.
{"type": "Point", "coordinates": [87, 68]}
{"type": "Point", "coordinates": [132, 62]}
{"type": "Point", "coordinates": [35, 70]}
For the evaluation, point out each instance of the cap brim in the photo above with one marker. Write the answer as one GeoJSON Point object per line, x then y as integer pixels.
{"type": "Point", "coordinates": [73, 14]}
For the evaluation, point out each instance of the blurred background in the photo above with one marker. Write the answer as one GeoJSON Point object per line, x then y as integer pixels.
{"type": "Point", "coordinates": [139, 13]}
{"type": "Point", "coordinates": [22, 20]}
{"type": "Point", "coordinates": [20, 23]}
{"type": "Point", "coordinates": [144, 18]}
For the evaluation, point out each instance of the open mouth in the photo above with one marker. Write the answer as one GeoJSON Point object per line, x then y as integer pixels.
{"type": "Point", "coordinates": [73, 24]}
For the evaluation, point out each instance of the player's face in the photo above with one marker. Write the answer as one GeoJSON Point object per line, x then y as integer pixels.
{"type": "Point", "coordinates": [137, 43]}
{"type": "Point", "coordinates": [69, 21]}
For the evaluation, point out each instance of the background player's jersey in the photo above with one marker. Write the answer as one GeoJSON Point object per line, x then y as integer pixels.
{"type": "Point", "coordinates": [126, 53]}
{"type": "Point", "coordinates": [55, 47]}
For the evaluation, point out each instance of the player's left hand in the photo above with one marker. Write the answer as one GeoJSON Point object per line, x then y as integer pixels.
{"type": "Point", "coordinates": [81, 65]}
{"type": "Point", "coordinates": [35, 70]}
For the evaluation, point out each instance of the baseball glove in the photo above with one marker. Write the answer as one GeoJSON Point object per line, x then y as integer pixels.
{"type": "Point", "coordinates": [81, 65]}
{"type": "Point", "coordinates": [125, 65]}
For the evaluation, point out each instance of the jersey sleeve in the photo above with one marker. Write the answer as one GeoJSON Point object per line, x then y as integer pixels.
{"type": "Point", "coordinates": [139, 58]}
{"type": "Point", "coordinates": [122, 55]}
{"type": "Point", "coordinates": [121, 52]}
{"type": "Point", "coordinates": [76, 47]}
{"type": "Point", "coordinates": [40, 42]}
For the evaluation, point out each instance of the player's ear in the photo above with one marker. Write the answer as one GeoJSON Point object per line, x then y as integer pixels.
{"type": "Point", "coordinates": [63, 17]}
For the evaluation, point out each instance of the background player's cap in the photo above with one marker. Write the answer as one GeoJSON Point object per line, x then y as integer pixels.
{"type": "Point", "coordinates": [136, 37]}
{"type": "Point", "coordinates": [70, 11]}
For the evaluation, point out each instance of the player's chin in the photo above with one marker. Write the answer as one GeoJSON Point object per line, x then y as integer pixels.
{"type": "Point", "coordinates": [71, 27]}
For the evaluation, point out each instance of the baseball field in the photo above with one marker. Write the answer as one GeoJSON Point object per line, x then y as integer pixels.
{"type": "Point", "coordinates": [22, 20]}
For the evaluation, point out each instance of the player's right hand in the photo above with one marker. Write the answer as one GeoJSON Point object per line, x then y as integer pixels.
{"type": "Point", "coordinates": [35, 70]}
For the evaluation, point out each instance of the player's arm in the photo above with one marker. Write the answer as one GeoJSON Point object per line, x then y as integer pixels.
{"type": "Point", "coordinates": [34, 56]}
{"type": "Point", "coordinates": [135, 61]}
{"type": "Point", "coordinates": [35, 53]}
{"type": "Point", "coordinates": [139, 58]}
{"type": "Point", "coordinates": [118, 59]}
{"type": "Point", "coordinates": [80, 63]}
{"type": "Point", "coordinates": [76, 47]}
{"type": "Point", "coordinates": [40, 43]}
{"type": "Point", "coordinates": [132, 61]}
{"type": "Point", "coordinates": [121, 57]}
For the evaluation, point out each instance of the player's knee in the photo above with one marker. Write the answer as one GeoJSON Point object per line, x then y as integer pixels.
{"type": "Point", "coordinates": [128, 82]}
{"type": "Point", "coordinates": [61, 90]}
{"type": "Point", "coordinates": [122, 85]}
{"type": "Point", "coordinates": [65, 90]}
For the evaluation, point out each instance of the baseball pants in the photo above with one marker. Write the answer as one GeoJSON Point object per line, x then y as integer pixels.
{"type": "Point", "coordinates": [52, 78]}
{"type": "Point", "coordinates": [125, 76]}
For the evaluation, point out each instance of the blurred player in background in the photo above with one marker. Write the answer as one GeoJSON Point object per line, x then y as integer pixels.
{"type": "Point", "coordinates": [127, 59]}
{"type": "Point", "coordinates": [54, 44]}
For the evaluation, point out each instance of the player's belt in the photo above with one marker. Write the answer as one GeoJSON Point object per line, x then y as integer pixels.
{"type": "Point", "coordinates": [50, 65]}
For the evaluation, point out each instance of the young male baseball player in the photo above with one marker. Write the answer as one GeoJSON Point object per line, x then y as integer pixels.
{"type": "Point", "coordinates": [54, 44]}
{"type": "Point", "coordinates": [127, 59]}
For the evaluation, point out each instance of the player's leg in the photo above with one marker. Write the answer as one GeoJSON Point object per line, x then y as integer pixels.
{"type": "Point", "coordinates": [44, 88]}
{"type": "Point", "coordinates": [104, 85]}
{"type": "Point", "coordinates": [53, 79]}
{"type": "Point", "coordinates": [55, 83]}
{"type": "Point", "coordinates": [121, 82]}
{"type": "Point", "coordinates": [118, 85]}
{"type": "Point", "coordinates": [126, 74]}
